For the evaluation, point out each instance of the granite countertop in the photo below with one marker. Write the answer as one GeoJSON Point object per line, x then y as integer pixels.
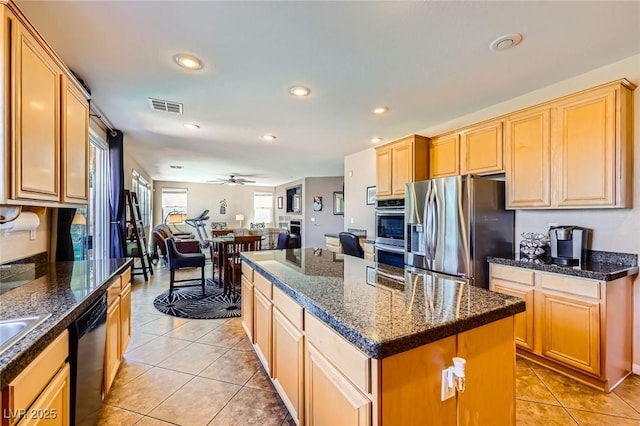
{"type": "Point", "coordinates": [64, 290]}
{"type": "Point", "coordinates": [380, 309]}
{"type": "Point", "coordinates": [602, 266]}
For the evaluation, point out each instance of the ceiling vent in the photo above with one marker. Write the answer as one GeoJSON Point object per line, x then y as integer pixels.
{"type": "Point", "coordinates": [166, 106]}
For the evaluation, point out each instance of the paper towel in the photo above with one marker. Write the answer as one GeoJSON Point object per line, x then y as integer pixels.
{"type": "Point", "coordinates": [27, 221]}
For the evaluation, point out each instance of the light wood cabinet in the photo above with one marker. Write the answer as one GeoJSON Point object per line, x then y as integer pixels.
{"type": "Point", "coordinates": [47, 117]}
{"type": "Point", "coordinates": [331, 398]}
{"type": "Point", "coordinates": [112, 345]}
{"type": "Point", "coordinates": [481, 149]}
{"type": "Point", "coordinates": [41, 389]}
{"type": "Point", "coordinates": [577, 326]}
{"type": "Point", "coordinates": [333, 244]}
{"type": "Point", "coordinates": [35, 98]}
{"type": "Point", "coordinates": [398, 163]}
{"type": "Point", "coordinates": [574, 152]}
{"type": "Point", "coordinates": [52, 408]}
{"type": "Point", "coordinates": [262, 326]}
{"type": "Point", "coordinates": [118, 326]}
{"type": "Point", "coordinates": [75, 144]}
{"type": "Point", "coordinates": [288, 364]}
{"type": "Point", "coordinates": [528, 153]}
{"type": "Point", "coordinates": [247, 307]}
{"type": "Point", "coordinates": [444, 156]}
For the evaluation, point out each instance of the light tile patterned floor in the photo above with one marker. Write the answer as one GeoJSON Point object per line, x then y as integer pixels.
{"type": "Point", "coordinates": [199, 372]}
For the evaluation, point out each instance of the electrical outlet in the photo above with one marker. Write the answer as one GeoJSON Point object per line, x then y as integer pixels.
{"type": "Point", "coordinates": [446, 392]}
{"type": "Point", "coordinates": [32, 235]}
{"type": "Point", "coordinates": [352, 221]}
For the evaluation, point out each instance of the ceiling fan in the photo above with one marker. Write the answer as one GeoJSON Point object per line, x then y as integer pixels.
{"type": "Point", "coordinates": [232, 180]}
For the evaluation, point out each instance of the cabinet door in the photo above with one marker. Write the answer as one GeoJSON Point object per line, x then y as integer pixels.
{"type": "Point", "coordinates": [528, 159]}
{"type": "Point", "coordinates": [125, 319]}
{"type": "Point", "coordinates": [383, 172]}
{"type": "Point", "coordinates": [75, 145]}
{"type": "Point", "coordinates": [571, 331]}
{"type": "Point", "coordinates": [112, 347]}
{"type": "Point", "coordinates": [481, 149]}
{"type": "Point", "coordinates": [586, 145]}
{"type": "Point", "coordinates": [524, 320]}
{"type": "Point", "coordinates": [444, 156]}
{"type": "Point", "coordinates": [35, 145]}
{"type": "Point", "coordinates": [247, 307]}
{"type": "Point", "coordinates": [262, 314]}
{"type": "Point", "coordinates": [288, 362]}
{"type": "Point", "coordinates": [401, 167]}
{"type": "Point", "coordinates": [330, 398]}
{"type": "Point", "coordinates": [53, 405]}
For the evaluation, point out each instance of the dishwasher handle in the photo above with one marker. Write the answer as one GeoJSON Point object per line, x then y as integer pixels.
{"type": "Point", "coordinates": [93, 317]}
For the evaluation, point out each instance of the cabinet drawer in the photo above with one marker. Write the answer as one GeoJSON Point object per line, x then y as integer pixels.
{"type": "Point", "coordinates": [125, 278]}
{"type": "Point", "coordinates": [355, 365]}
{"type": "Point", "coordinates": [263, 285]}
{"type": "Point", "coordinates": [25, 388]}
{"type": "Point", "coordinates": [113, 292]}
{"type": "Point", "coordinates": [569, 285]}
{"type": "Point", "coordinates": [247, 272]}
{"type": "Point", "coordinates": [288, 307]}
{"type": "Point", "coordinates": [510, 273]}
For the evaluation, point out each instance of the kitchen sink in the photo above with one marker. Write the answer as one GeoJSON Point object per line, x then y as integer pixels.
{"type": "Point", "coordinates": [12, 330]}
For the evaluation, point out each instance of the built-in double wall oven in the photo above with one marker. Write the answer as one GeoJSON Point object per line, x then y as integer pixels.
{"type": "Point", "coordinates": [390, 232]}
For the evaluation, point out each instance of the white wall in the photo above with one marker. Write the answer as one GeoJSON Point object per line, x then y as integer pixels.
{"type": "Point", "coordinates": [202, 196]}
{"type": "Point", "coordinates": [359, 173]}
{"type": "Point", "coordinates": [317, 224]}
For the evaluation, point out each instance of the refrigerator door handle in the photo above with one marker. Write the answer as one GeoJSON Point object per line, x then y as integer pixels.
{"type": "Point", "coordinates": [433, 225]}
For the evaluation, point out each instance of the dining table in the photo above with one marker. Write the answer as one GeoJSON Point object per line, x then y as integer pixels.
{"type": "Point", "coordinates": [218, 249]}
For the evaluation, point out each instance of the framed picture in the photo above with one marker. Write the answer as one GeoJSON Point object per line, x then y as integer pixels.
{"type": "Point", "coordinates": [280, 203]}
{"type": "Point", "coordinates": [371, 194]}
{"type": "Point", "coordinates": [338, 202]}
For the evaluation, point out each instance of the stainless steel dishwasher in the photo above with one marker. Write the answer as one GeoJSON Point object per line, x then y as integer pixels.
{"type": "Point", "coordinates": [87, 345]}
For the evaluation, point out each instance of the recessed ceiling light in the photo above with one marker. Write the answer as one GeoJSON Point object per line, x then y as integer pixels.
{"type": "Point", "coordinates": [176, 167]}
{"type": "Point", "coordinates": [380, 110]}
{"type": "Point", "coordinates": [299, 91]}
{"type": "Point", "coordinates": [188, 61]}
{"type": "Point", "coordinates": [506, 41]}
{"type": "Point", "coordinates": [191, 126]}
{"type": "Point", "coordinates": [268, 137]}
{"type": "Point", "coordinates": [376, 140]}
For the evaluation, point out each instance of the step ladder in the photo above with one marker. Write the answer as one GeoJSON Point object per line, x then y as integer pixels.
{"type": "Point", "coordinates": [136, 241]}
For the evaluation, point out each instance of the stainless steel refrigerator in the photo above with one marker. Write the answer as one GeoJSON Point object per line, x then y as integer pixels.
{"type": "Point", "coordinates": [453, 224]}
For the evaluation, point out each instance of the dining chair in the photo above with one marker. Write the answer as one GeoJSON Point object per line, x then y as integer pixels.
{"type": "Point", "coordinates": [215, 255]}
{"type": "Point", "coordinates": [178, 260]}
{"type": "Point", "coordinates": [283, 242]}
{"type": "Point", "coordinates": [351, 244]}
{"type": "Point", "coordinates": [241, 243]}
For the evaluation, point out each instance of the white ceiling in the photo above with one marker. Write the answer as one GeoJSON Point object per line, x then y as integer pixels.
{"type": "Point", "coordinates": [428, 61]}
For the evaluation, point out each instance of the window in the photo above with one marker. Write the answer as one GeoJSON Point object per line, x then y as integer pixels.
{"type": "Point", "coordinates": [173, 200]}
{"type": "Point", "coordinates": [263, 207]}
{"type": "Point", "coordinates": [142, 188]}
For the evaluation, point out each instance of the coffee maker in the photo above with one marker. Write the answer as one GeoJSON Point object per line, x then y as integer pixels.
{"type": "Point", "coordinates": [568, 244]}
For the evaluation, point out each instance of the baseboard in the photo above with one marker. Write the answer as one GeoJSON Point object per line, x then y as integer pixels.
{"type": "Point", "coordinates": [636, 368]}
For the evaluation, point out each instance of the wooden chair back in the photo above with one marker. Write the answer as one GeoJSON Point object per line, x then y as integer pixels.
{"type": "Point", "coordinates": [240, 243]}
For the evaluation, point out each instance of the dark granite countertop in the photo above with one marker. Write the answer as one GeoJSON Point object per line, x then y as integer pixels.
{"type": "Point", "coordinates": [595, 268]}
{"type": "Point", "coordinates": [380, 309]}
{"type": "Point", "coordinates": [64, 290]}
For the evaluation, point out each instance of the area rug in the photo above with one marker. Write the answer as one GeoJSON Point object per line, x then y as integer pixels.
{"type": "Point", "coordinates": [189, 302]}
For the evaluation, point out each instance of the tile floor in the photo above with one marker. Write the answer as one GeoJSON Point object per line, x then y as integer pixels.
{"type": "Point", "coordinates": [204, 372]}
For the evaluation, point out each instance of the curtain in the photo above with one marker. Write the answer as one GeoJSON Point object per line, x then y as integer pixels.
{"type": "Point", "coordinates": [64, 244]}
{"type": "Point", "coordinates": [116, 194]}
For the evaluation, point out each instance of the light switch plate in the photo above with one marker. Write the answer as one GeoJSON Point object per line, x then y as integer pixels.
{"type": "Point", "coordinates": [446, 392]}
{"type": "Point", "coordinates": [32, 235]}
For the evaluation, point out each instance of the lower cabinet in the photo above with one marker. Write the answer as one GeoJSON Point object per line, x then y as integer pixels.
{"type": "Point", "coordinates": [118, 326]}
{"type": "Point", "coordinates": [331, 398]}
{"type": "Point", "coordinates": [579, 327]}
{"type": "Point", "coordinates": [247, 307]}
{"type": "Point", "coordinates": [323, 379]}
{"type": "Point", "coordinates": [40, 394]}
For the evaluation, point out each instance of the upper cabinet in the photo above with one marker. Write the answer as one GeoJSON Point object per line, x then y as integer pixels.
{"type": "Point", "coordinates": [574, 152]}
{"type": "Point", "coordinates": [444, 156]}
{"type": "Point", "coordinates": [473, 150]}
{"type": "Point", "coordinates": [47, 117]}
{"type": "Point", "coordinates": [398, 163]}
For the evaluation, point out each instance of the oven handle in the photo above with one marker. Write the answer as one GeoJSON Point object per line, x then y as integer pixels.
{"type": "Point", "coordinates": [389, 212]}
{"type": "Point", "coordinates": [392, 249]}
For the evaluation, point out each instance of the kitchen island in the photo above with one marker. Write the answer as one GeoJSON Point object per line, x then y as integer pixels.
{"type": "Point", "coordinates": [350, 341]}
